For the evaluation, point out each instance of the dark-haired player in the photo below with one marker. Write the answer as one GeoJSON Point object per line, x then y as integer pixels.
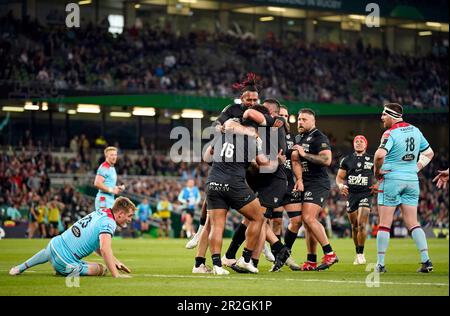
{"type": "Point", "coordinates": [313, 151]}
{"type": "Point", "coordinates": [357, 171]}
{"type": "Point", "coordinates": [227, 188]}
{"type": "Point", "coordinates": [291, 202]}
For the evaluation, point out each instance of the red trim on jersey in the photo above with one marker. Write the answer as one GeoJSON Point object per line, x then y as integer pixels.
{"type": "Point", "coordinates": [106, 165]}
{"type": "Point", "coordinates": [384, 229]}
{"type": "Point", "coordinates": [395, 126]}
{"type": "Point", "coordinates": [109, 213]}
{"type": "Point", "coordinates": [398, 125]}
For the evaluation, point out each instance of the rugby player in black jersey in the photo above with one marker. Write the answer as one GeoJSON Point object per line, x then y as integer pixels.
{"type": "Point", "coordinates": [291, 202]}
{"type": "Point", "coordinates": [270, 189]}
{"type": "Point", "coordinates": [354, 179]}
{"type": "Point", "coordinates": [226, 187]}
{"type": "Point", "coordinates": [313, 151]}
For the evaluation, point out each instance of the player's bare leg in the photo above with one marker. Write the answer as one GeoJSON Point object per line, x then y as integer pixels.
{"type": "Point", "coordinates": [218, 219]}
{"type": "Point", "coordinates": [96, 269]}
{"type": "Point", "coordinates": [200, 258]}
{"type": "Point", "coordinates": [409, 213]}
{"type": "Point", "coordinates": [195, 239]}
{"type": "Point", "coordinates": [290, 236]}
{"type": "Point", "coordinates": [310, 213]}
{"type": "Point", "coordinates": [363, 219]}
{"type": "Point", "coordinates": [353, 218]}
{"type": "Point", "coordinates": [311, 247]}
{"type": "Point", "coordinates": [256, 220]}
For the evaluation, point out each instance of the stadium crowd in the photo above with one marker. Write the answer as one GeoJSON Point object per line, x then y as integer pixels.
{"type": "Point", "coordinates": [25, 183]}
{"type": "Point", "coordinates": [157, 59]}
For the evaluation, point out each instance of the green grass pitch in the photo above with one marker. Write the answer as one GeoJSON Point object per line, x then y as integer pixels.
{"type": "Point", "coordinates": [163, 267]}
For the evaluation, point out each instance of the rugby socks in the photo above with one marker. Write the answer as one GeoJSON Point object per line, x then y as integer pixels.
{"type": "Point", "coordinates": [327, 249]}
{"type": "Point", "coordinates": [199, 261]}
{"type": "Point", "coordinates": [289, 238]}
{"type": "Point", "coordinates": [41, 257]}
{"type": "Point", "coordinates": [255, 262]}
{"type": "Point", "coordinates": [420, 239]}
{"type": "Point", "coordinates": [216, 260]}
{"type": "Point", "coordinates": [359, 249]}
{"type": "Point", "coordinates": [311, 257]}
{"type": "Point", "coordinates": [202, 222]}
{"type": "Point", "coordinates": [247, 254]}
{"type": "Point", "coordinates": [276, 247]}
{"type": "Point", "coordinates": [236, 242]}
{"type": "Point", "coordinates": [383, 236]}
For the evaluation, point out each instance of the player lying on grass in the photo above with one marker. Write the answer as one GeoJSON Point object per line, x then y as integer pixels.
{"type": "Point", "coordinates": [93, 232]}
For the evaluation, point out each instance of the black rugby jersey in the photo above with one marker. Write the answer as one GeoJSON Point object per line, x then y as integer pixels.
{"type": "Point", "coordinates": [313, 143]}
{"type": "Point", "coordinates": [359, 170]}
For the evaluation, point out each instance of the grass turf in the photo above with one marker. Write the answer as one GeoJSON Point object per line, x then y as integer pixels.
{"type": "Point", "coordinates": [163, 267]}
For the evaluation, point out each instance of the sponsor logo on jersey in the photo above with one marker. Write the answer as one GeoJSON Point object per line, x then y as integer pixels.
{"type": "Point", "coordinates": [408, 157]}
{"type": "Point", "coordinates": [214, 186]}
{"type": "Point", "coordinates": [309, 138]}
{"type": "Point", "coordinates": [368, 165]}
{"type": "Point", "coordinates": [76, 231]}
{"type": "Point", "coordinates": [358, 180]}
{"type": "Point", "coordinates": [359, 164]}
{"type": "Point", "coordinates": [308, 194]}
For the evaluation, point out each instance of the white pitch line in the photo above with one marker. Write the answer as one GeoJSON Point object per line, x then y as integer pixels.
{"type": "Point", "coordinates": [273, 279]}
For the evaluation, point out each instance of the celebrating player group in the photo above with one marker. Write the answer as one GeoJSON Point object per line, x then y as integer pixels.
{"type": "Point", "coordinates": [259, 169]}
{"type": "Point", "coordinates": [262, 176]}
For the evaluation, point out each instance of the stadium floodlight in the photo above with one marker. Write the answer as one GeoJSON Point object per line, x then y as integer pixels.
{"type": "Point", "coordinates": [29, 106]}
{"type": "Point", "coordinates": [276, 9]}
{"type": "Point", "coordinates": [84, 2]}
{"type": "Point", "coordinates": [120, 114]}
{"type": "Point", "coordinates": [425, 33]}
{"type": "Point", "coordinates": [433, 24]}
{"type": "Point", "coordinates": [266, 18]}
{"type": "Point", "coordinates": [357, 17]}
{"type": "Point", "coordinates": [187, 1]}
{"type": "Point", "coordinates": [88, 108]}
{"type": "Point", "coordinates": [13, 109]}
{"type": "Point", "coordinates": [137, 5]}
{"type": "Point", "coordinates": [193, 114]}
{"type": "Point", "coordinates": [142, 111]}
{"type": "Point", "coordinates": [44, 106]}
{"type": "Point", "coordinates": [71, 112]}
{"type": "Point", "coordinates": [175, 117]}
{"type": "Point", "coordinates": [292, 119]}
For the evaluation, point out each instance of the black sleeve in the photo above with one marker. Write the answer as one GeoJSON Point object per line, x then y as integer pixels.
{"type": "Point", "coordinates": [344, 164]}
{"type": "Point", "coordinates": [225, 115]}
{"type": "Point", "coordinates": [323, 143]}
{"type": "Point", "coordinates": [297, 139]}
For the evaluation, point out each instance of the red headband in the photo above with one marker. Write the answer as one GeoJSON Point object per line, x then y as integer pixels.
{"type": "Point", "coordinates": [362, 138]}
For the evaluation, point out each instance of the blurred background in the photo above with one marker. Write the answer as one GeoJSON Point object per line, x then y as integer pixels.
{"type": "Point", "coordinates": [134, 70]}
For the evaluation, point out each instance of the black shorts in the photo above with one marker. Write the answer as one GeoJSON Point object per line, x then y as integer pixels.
{"type": "Point", "coordinates": [226, 195]}
{"type": "Point", "coordinates": [54, 225]}
{"type": "Point", "coordinates": [291, 196]}
{"type": "Point", "coordinates": [315, 194]}
{"type": "Point", "coordinates": [189, 211]}
{"type": "Point", "coordinates": [269, 190]}
{"type": "Point", "coordinates": [357, 200]}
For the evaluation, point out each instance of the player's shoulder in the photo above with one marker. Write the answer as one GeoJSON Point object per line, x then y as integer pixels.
{"type": "Point", "coordinates": [318, 134]}
{"type": "Point", "coordinates": [230, 107]}
{"type": "Point", "coordinates": [105, 165]}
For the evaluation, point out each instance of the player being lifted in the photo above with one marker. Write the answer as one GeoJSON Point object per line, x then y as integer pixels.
{"type": "Point", "coordinates": [106, 179]}
{"type": "Point", "coordinates": [354, 179]}
{"type": "Point", "coordinates": [93, 232]}
{"type": "Point", "coordinates": [313, 151]}
{"type": "Point", "coordinates": [226, 187]}
{"type": "Point", "coordinates": [403, 153]}
{"type": "Point", "coordinates": [249, 97]}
